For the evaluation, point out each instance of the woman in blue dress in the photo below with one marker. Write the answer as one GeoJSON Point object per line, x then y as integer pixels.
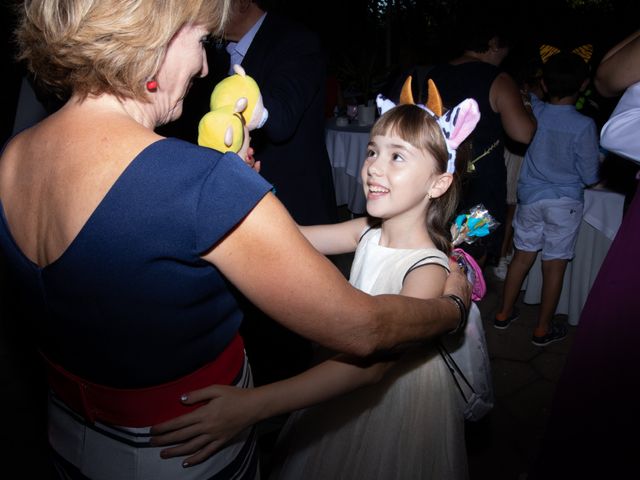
{"type": "Point", "coordinates": [128, 250]}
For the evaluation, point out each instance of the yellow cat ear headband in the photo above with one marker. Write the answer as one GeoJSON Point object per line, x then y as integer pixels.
{"type": "Point", "coordinates": [584, 52]}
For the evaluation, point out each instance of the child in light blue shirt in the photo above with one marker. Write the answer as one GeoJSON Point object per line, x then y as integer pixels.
{"type": "Point", "coordinates": [562, 159]}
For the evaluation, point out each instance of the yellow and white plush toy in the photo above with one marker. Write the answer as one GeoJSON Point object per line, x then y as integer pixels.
{"type": "Point", "coordinates": [235, 101]}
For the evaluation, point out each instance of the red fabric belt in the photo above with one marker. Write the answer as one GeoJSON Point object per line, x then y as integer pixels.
{"type": "Point", "coordinates": [145, 406]}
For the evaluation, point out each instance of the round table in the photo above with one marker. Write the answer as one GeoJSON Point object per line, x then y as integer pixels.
{"type": "Point", "coordinates": [347, 148]}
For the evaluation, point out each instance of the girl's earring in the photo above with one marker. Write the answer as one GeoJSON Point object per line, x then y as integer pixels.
{"type": "Point", "coordinates": [152, 86]}
{"type": "Point", "coordinates": [429, 196]}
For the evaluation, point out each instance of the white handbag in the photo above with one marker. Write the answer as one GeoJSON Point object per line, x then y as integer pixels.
{"type": "Point", "coordinates": [467, 357]}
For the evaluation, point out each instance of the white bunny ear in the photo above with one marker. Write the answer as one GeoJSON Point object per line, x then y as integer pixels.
{"type": "Point", "coordinates": [384, 104]}
{"type": "Point", "coordinates": [458, 123]}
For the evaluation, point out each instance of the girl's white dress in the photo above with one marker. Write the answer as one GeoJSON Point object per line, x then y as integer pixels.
{"type": "Point", "coordinates": [410, 425]}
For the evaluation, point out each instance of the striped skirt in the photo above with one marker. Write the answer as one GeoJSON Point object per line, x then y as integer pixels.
{"type": "Point", "coordinates": [98, 451]}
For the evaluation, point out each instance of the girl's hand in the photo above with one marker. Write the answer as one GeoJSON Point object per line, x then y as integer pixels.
{"type": "Point", "coordinates": [204, 431]}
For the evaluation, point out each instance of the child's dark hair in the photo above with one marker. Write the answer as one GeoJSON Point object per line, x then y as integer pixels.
{"type": "Point", "coordinates": [564, 74]}
{"type": "Point", "coordinates": [417, 127]}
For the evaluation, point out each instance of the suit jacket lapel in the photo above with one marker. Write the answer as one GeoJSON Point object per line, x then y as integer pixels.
{"type": "Point", "coordinates": [255, 57]}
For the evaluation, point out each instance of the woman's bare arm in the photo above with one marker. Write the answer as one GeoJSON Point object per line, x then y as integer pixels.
{"type": "Point", "coordinates": [230, 410]}
{"type": "Point", "coordinates": [620, 67]}
{"type": "Point", "coordinates": [506, 99]}
{"type": "Point", "coordinates": [269, 260]}
{"type": "Point", "coordinates": [336, 238]}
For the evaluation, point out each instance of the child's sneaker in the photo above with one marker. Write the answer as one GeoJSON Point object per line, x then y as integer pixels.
{"type": "Point", "coordinates": [500, 270]}
{"type": "Point", "coordinates": [503, 323]}
{"type": "Point", "coordinates": [557, 332]}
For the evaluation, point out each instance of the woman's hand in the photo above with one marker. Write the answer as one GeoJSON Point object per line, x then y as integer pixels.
{"type": "Point", "coordinates": [204, 431]}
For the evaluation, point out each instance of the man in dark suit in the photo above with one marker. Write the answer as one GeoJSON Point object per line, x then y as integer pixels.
{"type": "Point", "coordinates": [288, 63]}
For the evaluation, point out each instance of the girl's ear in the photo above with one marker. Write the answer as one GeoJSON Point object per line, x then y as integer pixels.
{"type": "Point", "coordinates": [441, 185]}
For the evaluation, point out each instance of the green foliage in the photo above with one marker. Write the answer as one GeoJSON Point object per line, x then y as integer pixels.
{"type": "Point", "coordinates": [601, 5]}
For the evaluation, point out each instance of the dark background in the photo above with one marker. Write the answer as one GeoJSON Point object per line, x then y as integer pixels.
{"type": "Point", "coordinates": [369, 40]}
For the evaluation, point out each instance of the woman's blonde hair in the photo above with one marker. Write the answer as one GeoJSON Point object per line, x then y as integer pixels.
{"type": "Point", "coordinates": [105, 46]}
{"type": "Point", "coordinates": [417, 127]}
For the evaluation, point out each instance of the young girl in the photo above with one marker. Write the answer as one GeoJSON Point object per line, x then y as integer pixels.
{"type": "Point", "coordinates": [406, 421]}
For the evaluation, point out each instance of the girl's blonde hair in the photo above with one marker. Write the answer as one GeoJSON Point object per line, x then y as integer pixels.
{"type": "Point", "coordinates": [89, 47]}
{"type": "Point", "coordinates": [417, 127]}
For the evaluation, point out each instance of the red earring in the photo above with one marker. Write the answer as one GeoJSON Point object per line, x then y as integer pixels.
{"type": "Point", "coordinates": [152, 85]}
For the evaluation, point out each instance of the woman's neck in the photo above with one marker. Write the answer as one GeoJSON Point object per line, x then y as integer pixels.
{"type": "Point", "coordinates": [136, 111]}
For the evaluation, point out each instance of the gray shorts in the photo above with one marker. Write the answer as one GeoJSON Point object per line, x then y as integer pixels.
{"type": "Point", "coordinates": [550, 225]}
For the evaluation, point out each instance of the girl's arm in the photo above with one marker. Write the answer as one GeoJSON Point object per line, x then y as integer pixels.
{"type": "Point", "coordinates": [230, 410]}
{"type": "Point", "coordinates": [271, 263]}
{"type": "Point", "coordinates": [426, 281]}
{"type": "Point", "coordinates": [336, 238]}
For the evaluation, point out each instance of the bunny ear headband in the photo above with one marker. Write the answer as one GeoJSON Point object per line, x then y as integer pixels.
{"type": "Point", "coordinates": [456, 124]}
{"type": "Point", "coordinates": [584, 52]}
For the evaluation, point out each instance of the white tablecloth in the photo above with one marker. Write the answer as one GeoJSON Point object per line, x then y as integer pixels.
{"type": "Point", "coordinates": [347, 148]}
{"type": "Point", "coordinates": [600, 221]}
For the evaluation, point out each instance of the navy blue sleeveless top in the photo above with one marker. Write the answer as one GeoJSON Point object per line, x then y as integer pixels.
{"type": "Point", "coordinates": [488, 183]}
{"type": "Point", "coordinates": [130, 303]}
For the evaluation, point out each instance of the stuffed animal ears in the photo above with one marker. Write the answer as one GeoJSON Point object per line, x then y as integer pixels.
{"type": "Point", "coordinates": [239, 70]}
{"type": "Point", "coordinates": [584, 52]}
{"type": "Point", "coordinates": [434, 101]}
{"type": "Point", "coordinates": [241, 105]}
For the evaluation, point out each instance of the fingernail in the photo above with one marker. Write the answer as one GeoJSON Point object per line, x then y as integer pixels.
{"type": "Point", "coordinates": [184, 397]}
{"type": "Point", "coordinates": [185, 464]}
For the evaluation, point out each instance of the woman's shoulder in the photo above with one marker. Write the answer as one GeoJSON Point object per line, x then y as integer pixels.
{"type": "Point", "coordinates": [175, 155]}
{"type": "Point", "coordinates": [183, 166]}
{"type": "Point", "coordinates": [170, 147]}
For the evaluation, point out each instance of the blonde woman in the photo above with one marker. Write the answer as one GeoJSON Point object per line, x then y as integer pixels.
{"type": "Point", "coordinates": [128, 248]}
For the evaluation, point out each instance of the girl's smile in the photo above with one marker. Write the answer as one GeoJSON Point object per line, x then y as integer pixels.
{"type": "Point", "coordinates": [397, 177]}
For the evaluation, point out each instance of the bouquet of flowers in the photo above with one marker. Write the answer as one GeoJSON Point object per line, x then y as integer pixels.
{"type": "Point", "coordinates": [467, 228]}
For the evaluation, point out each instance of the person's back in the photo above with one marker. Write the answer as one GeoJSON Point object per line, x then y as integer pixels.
{"type": "Point", "coordinates": [123, 284]}
{"type": "Point", "coordinates": [562, 157]}
{"type": "Point", "coordinates": [476, 74]}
